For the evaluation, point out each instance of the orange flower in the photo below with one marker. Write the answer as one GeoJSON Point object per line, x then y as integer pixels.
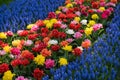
{"type": "Point", "coordinates": [86, 44]}
{"type": "Point", "coordinates": [64, 43]}
{"type": "Point", "coordinates": [67, 1]}
{"type": "Point", "coordinates": [39, 23]}
{"type": "Point", "coordinates": [37, 42]}
{"type": "Point", "coordinates": [46, 39]}
{"type": "Point", "coordinates": [46, 52]}
{"type": "Point", "coordinates": [113, 1]}
{"type": "Point", "coordinates": [19, 46]}
{"type": "Point", "coordinates": [22, 42]}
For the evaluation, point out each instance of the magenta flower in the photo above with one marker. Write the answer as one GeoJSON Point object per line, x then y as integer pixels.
{"type": "Point", "coordinates": [15, 51]}
{"type": "Point", "coordinates": [49, 63]}
{"type": "Point", "coordinates": [97, 26]}
{"type": "Point", "coordinates": [21, 78]}
{"type": "Point", "coordinates": [77, 35]}
{"type": "Point", "coordinates": [35, 28]}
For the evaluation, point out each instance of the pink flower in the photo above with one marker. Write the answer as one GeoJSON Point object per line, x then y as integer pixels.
{"type": "Point", "coordinates": [104, 16]}
{"type": "Point", "coordinates": [64, 9]}
{"type": "Point", "coordinates": [77, 35]}
{"type": "Point", "coordinates": [78, 13]}
{"type": "Point", "coordinates": [9, 33]}
{"type": "Point", "coordinates": [19, 32]}
{"type": "Point", "coordinates": [49, 63]}
{"type": "Point", "coordinates": [110, 4]}
{"type": "Point", "coordinates": [63, 26]}
{"type": "Point", "coordinates": [102, 4]}
{"type": "Point", "coordinates": [35, 28]}
{"type": "Point", "coordinates": [28, 43]}
{"type": "Point", "coordinates": [21, 78]}
{"type": "Point", "coordinates": [2, 52]}
{"type": "Point", "coordinates": [74, 22]}
{"type": "Point", "coordinates": [97, 27]}
{"type": "Point", "coordinates": [15, 51]}
{"type": "Point", "coordinates": [70, 40]}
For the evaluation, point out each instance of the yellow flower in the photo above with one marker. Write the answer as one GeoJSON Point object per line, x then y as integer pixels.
{"type": "Point", "coordinates": [46, 21]}
{"type": "Point", "coordinates": [69, 5]}
{"type": "Point", "coordinates": [94, 16]}
{"type": "Point", "coordinates": [7, 49]}
{"type": "Point", "coordinates": [63, 61]}
{"type": "Point", "coordinates": [91, 23]}
{"type": "Point", "coordinates": [49, 25]}
{"type": "Point", "coordinates": [8, 75]}
{"type": "Point", "coordinates": [16, 42]}
{"type": "Point", "coordinates": [53, 21]}
{"type": "Point", "coordinates": [88, 31]}
{"type": "Point", "coordinates": [77, 19]}
{"type": "Point", "coordinates": [57, 12]}
{"type": "Point", "coordinates": [30, 26]}
{"type": "Point", "coordinates": [39, 60]}
{"type": "Point", "coordinates": [67, 48]}
{"type": "Point", "coordinates": [102, 9]}
{"type": "Point", "coordinates": [3, 35]}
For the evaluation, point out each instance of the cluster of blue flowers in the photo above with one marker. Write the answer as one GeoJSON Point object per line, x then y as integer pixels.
{"type": "Point", "coordinates": [100, 62]}
{"type": "Point", "coordinates": [19, 13]}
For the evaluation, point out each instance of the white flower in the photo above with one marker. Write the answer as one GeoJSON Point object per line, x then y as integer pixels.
{"type": "Point", "coordinates": [84, 22]}
{"type": "Point", "coordinates": [53, 42]}
{"type": "Point", "coordinates": [70, 31]}
{"type": "Point", "coordinates": [80, 47]}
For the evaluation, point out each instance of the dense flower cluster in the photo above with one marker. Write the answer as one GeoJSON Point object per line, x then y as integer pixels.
{"type": "Point", "coordinates": [101, 61]}
{"type": "Point", "coordinates": [65, 35]}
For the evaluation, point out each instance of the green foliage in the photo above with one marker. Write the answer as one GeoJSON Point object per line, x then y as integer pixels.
{"type": "Point", "coordinates": [5, 1]}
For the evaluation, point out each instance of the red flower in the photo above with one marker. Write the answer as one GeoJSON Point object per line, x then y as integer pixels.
{"type": "Point", "coordinates": [95, 5]}
{"type": "Point", "coordinates": [74, 26]}
{"type": "Point", "coordinates": [27, 54]}
{"type": "Point", "coordinates": [44, 30]}
{"type": "Point", "coordinates": [57, 25]}
{"type": "Point", "coordinates": [39, 23]}
{"type": "Point", "coordinates": [62, 35]}
{"type": "Point", "coordinates": [55, 33]}
{"type": "Point", "coordinates": [70, 15]}
{"type": "Point", "coordinates": [24, 62]}
{"type": "Point", "coordinates": [77, 51]}
{"type": "Point", "coordinates": [55, 47]}
{"type": "Point", "coordinates": [51, 15]}
{"type": "Point", "coordinates": [24, 33]}
{"type": "Point", "coordinates": [39, 47]}
{"type": "Point", "coordinates": [32, 36]}
{"type": "Point", "coordinates": [44, 34]}
{"type": "Point", "coordinates": [4, 67]}
{"type": "Point", "coordinates": [38, 74]}
{"type": "Point", "coordinates": [15, 62]}
{"type": "Point", "coordinates": [62, 16]}
{"type": "Point", "coordinates": [90, 11]}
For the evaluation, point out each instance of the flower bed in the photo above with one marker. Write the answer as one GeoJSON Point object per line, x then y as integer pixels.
{"type": "Point", "coordinates": [99, 62]}
{"type": "Point", "coordinates": [64, 36]}
{"type": "Point", "coordinates": [24, 12]}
